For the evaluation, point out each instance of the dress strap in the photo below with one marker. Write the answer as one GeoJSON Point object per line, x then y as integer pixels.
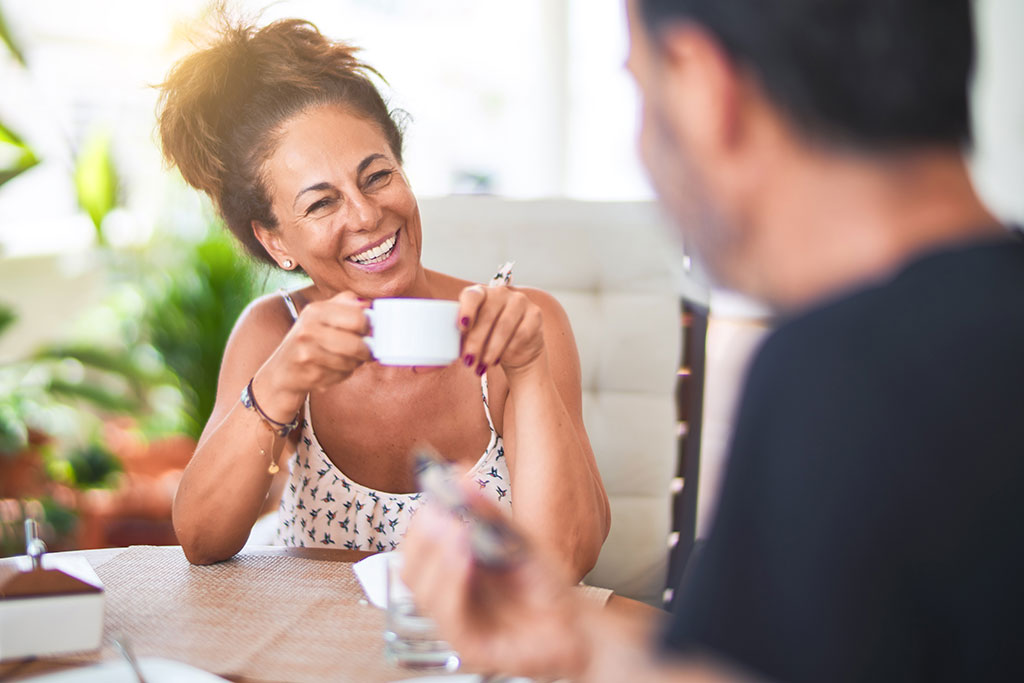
{"type": "Point", "coordinates": [289, 303]}
{"type": "Point", "coordinates": [487, 404]}
{"type": "Point", "coordinates": [502, 278]}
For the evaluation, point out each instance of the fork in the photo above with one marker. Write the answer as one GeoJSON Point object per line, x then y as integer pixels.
{"type": "Point", "coordinates": [125, 648]}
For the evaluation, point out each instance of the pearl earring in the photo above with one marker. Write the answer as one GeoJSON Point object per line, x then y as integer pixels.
{"type": "Point", "coordinates": [287, 264]}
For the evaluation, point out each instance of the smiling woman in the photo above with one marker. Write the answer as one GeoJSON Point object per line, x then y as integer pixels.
{"type": "Point", "coordinates": [287, 134]}
{"type": "Point", "coordinates": [332, 167]}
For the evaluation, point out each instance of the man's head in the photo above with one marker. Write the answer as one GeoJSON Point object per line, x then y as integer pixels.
{"type": "Point", "coordinates": [729, 85]}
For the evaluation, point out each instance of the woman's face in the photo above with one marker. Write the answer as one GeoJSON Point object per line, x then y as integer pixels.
{"type": "Point", "coordinates": [346, 214]}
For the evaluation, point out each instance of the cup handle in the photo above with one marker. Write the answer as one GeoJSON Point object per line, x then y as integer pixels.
{"type": "Point", "coordinates": [369, 338]}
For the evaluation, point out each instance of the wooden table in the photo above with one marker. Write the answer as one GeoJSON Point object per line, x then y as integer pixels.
{"type": "Point", "coordinates": [227, 618]}
{"type": "Point", "coordinates": [269, 614]}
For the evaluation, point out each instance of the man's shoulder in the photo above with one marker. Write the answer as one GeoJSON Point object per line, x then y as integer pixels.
{"type": "Point", "coordinates": [928, 358]}
{"type": "Point", "coordinates": [940, 301]}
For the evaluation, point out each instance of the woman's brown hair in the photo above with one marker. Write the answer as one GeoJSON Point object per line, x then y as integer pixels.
{"type": "Point", "coordinates": [221, 106]}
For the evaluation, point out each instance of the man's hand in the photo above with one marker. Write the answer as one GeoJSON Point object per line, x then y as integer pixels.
{"type": "Point", "coordinates": [527, 620]}
{"type": "Point", "coordinates": [524, 620]}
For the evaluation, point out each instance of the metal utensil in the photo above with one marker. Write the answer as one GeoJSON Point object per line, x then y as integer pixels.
{"type": "Point", "coordinates": [34, 546]}
{"type": "Point", "coordinates": [125, 648]}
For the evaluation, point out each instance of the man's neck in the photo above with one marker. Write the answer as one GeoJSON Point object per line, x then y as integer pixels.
{"type": "Point", "coordinates": [826, 223]}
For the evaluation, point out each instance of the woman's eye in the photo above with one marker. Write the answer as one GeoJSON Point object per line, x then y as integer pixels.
{"type": "Point", "coordinates": [317, 205]}
{"type": "Point", "coordinates": [378, 177]}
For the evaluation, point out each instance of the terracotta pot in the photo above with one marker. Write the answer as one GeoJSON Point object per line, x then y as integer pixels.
{"type": "Point", "coordinates": [142, 457]}
{"type": "Point", "coordinates": [138, 509]}
{"type": "Point", "coordinates": [22, 475]}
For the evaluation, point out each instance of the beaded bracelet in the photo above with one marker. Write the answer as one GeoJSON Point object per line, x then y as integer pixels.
{"type": "Point", "coordinates": [278, 428]}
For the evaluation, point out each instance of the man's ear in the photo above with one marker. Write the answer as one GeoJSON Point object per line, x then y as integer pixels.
{"type": "Point", "coordinates": [703, 88]}
{"type": "Point", "coordinates": [271, 241]}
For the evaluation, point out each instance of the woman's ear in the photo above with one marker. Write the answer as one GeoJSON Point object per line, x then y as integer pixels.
{"type": "Point", "coordinates": [271, 241]}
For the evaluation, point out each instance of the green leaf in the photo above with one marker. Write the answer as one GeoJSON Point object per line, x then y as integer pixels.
{"type": "Point", "coordinates": [59, 516]}
{"type": "Point", "coordinates": [96, 395]}
{"type": "Point", "coordinates": [7, 317]}
{"type": "Point", "coordinates": [96, 180]}
{"type": "Point", "coordinates": [191, 312]}
{"type": "Point", "coordinates": [115, 361]}
{"type": "Point", "coordinates": [13, 431]}
{"type": "Point", "coordinates": [93, 466]}
{"type": "Point", "coordinates": [8, 40]}
{"type": "Point", "coordinates": [16, 157]}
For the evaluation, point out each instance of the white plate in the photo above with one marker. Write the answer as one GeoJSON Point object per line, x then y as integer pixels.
{"type": "Point", "coordinates": [155, 669]}
{"type": "Point", "coordinates": [463, 678]}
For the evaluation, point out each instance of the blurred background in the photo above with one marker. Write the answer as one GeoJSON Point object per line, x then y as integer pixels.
{"type": "Point", "coordinates": [118, 287]}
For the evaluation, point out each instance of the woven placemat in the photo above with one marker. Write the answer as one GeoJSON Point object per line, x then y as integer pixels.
{"type": "Point", "coordinates": [260, 616]}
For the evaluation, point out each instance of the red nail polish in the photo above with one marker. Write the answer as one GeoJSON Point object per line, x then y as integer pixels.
{"type": "Point", "coordinates": [465, 321]}
{"type": "Point", "coordinates": [481, 369]}
{"type": "Point", "coordinates": [469, 360]}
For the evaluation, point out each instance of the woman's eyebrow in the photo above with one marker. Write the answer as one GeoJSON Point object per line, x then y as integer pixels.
{"type": "Point", "coordinates": [323, 185]}
{"type": "Point", "coordinates": [369, 160]}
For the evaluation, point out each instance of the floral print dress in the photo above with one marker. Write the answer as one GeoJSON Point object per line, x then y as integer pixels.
{"type": "Point", "coordinates": [321, 506]}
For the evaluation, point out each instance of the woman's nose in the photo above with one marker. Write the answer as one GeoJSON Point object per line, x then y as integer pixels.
{"type": "Point", "coordinates": [365, 214]}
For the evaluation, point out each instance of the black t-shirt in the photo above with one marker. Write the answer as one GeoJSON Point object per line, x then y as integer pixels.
{"type": "Point", "coordinates": [871, 521]}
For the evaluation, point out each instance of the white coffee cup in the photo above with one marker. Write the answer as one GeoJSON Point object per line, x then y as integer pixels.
{"type": "Point", "coordinates": [414, 331]}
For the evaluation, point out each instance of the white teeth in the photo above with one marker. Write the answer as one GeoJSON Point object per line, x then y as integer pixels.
{"type": "Point", "coordinates": [376, 254]}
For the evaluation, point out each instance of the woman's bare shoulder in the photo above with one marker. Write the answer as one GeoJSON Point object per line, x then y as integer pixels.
{"type": "Point", "coordinates": [266, 313]}
{"type": "Point", "coordinates": [446, 286]}
{"type": "Point", "coordinates": [449, 287]}
{"type": "Point", "coordinates": [264, 322]}
{"type": "Point", "coordinates": [554, 313]}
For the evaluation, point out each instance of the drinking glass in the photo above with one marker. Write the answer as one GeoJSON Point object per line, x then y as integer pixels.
{"type": "Point", "coordinates": [412, 638]}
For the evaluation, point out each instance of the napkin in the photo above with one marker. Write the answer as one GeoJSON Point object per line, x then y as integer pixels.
{"type": "Point", "coordinates": [372, 573]}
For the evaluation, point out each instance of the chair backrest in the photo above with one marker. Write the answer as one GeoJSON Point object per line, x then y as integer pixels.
{"type": "Point", "coordinates": [736, 328]}
{"type": "Point", "coordinates": [721, 335]}
{"type": "Point", "coordinates": [615, 269]}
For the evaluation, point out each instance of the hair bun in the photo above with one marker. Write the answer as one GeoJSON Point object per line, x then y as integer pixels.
{"type": "Point", "coordinates": [221, 105]}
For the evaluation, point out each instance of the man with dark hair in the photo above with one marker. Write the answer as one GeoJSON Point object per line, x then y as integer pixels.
{"type": "Point", "coordinates": [870, 522]}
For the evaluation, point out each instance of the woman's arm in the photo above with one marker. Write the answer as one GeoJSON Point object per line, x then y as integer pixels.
{"type": "Point", "coordinates": [557, 492]}
{"type": "Point", "coordinates": [556, 487]}
{"type": "Point", "coordinates": [225, 485]}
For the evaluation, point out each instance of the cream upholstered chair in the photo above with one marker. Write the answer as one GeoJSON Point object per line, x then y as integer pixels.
{"type": "Point", "coordinates": [722, 334]}
{"type": "Point", "coordinates": [736, 328]}
{"type": "Point", "coordinates": [616, 271]}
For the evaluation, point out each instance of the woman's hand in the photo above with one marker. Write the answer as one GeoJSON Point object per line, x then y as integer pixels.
{"type": "Point", "coordinates": [323, 347]}
{"type": "Point", "coordinates": [499, 325]}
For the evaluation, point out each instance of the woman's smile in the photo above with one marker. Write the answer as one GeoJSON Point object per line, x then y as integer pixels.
{"type": "Point", "coordinates": [378, 256]}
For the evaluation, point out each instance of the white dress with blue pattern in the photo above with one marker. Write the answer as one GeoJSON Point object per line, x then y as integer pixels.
{"type": "Point", "coordinates": [321, 506]}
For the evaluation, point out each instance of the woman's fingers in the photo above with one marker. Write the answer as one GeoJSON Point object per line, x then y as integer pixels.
{"type": "Point", "coordinates": [344, 312]}
{"type": "Point", "coordinates": [502, 332]}
{"type": "Point", "coordinates": [506, 327]}
{"type": "Point", "coordinates": [470, 301]}
{"type": "Point", "coordinates": [489, 306]}
{"type": "Point", "coordinates": [342, 343]}
{"type": "Point", "coordinates": [326, 344]}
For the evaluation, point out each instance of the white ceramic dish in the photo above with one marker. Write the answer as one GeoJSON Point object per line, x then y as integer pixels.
{"type": "Point", "coordinates": [155, 669]}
